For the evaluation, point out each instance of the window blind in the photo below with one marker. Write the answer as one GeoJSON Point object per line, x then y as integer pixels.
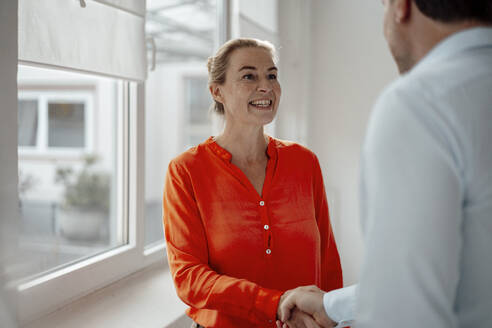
{"type": "Point", "coordinates": [104, 37]}
{"type": "Point", "coordinates": [134, 6]}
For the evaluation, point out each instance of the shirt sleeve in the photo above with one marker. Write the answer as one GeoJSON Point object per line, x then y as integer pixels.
{"type": "Point", "coordinates": [196, 283]}
{"type": "Point", "coordinates": [339, 305]}
{"type": "Point", "coordinates": [411, 214]}
{"type": "Point", "coordinates": [331, 270]}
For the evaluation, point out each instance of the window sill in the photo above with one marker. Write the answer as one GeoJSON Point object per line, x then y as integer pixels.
{"type": "Point", "coordinates": [144, 299]}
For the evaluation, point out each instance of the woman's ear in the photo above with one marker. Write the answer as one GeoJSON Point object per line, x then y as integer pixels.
{"type": "Point", "coordinates": [215, 92]}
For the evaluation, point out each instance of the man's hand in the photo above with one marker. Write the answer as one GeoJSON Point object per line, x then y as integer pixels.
{"type": "Point", "coordinates": [308, 299]}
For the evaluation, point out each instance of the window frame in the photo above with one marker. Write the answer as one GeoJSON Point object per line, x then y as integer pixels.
{"type": "Point", "coordinates": [90, 274]}
{"type": "Point", "coordinates": [58, 94]}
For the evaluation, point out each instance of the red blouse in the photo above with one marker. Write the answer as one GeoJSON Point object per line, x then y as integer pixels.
{"type": "Point", "coordinates": [232, 252]}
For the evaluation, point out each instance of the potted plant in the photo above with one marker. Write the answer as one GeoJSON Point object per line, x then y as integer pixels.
{"type": "Point", "coordinates": [84, 211]}
{"type": "Point", "coordinates": [26, 182]}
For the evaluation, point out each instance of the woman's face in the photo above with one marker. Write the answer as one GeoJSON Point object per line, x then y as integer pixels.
{"type": "Point", "coordinates": [251, 92]}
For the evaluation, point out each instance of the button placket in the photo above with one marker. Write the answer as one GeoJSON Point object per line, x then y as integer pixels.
{"type": "Point", "coordinates": [266, 227]}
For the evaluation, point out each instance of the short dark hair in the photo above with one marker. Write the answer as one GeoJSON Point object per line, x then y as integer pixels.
{"type": "Point", "coordinates": [450, 11]}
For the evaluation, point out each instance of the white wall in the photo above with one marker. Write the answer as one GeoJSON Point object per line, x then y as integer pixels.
{"type": "Point", "coordinates": [294, 69]}
{"type": "Point", "coordinates": [350, 65]}
{"type": "Point", "coordinates": [9, 210]}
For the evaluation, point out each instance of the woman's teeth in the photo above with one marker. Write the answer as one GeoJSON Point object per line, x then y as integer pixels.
{"type": "Point", "coordinates": [261, 103]}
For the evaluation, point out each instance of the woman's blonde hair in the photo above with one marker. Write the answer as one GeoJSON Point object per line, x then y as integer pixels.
{"type": "Point", "coordinates": [217, 65]}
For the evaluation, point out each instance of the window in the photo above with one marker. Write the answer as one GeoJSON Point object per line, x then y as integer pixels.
{"type": "Point", "coordinates": [80, 127]}
{"type": "Point", "coordinates": [81, 136]}
{"type": "Point", "coordinates": [28, 122]}
{"type": "Point", "coordinates": [67, 187]}
{"type": "Point", "coordinates": [177, 97]}
{"type": "Point", "coordinates": [66, 124]}
{"type": "Point", "coordinates": [55, 120]}
{"type": "Point", "coordinates": [198, 124]}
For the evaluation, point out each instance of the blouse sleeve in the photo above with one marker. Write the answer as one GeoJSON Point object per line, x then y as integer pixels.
{"type": "Point", "coordinates": [331, 270]}
{"type": "Point", "coordinates": [196, 283]}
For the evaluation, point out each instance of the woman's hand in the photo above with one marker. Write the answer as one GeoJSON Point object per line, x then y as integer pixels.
{"type": "Point", "coordinates": [299, 319]}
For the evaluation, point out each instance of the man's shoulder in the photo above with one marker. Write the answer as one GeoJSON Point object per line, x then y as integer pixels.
{"type": "Point", "coordinates": [414, 90]}
{"type": "Point", "coordinates": [432, 87]}
{"type": "Point", "coordinates": [438, 79]}
{"type": "Point", "coordinates": [397, 94]}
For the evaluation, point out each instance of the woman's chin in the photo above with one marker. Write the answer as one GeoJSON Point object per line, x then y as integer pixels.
{"type": "Point", "coordinates": [264, 117]}
{"type": "Point", "coordinates": [266, 120]}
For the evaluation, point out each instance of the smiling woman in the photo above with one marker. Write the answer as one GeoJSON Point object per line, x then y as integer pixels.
{"type": "Point", "coordinates": [242, 209]}
{"type": "Point", "coordinates": [218, 64]}
{"type": "Point", "coordinates": [251, 90]}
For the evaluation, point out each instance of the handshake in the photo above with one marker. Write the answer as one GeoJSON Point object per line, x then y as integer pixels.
{"type": "Point", "coordinates": [303, 307]}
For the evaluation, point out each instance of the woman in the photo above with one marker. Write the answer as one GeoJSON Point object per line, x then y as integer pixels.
{"type": "Point", "coordinates": [245, 215]}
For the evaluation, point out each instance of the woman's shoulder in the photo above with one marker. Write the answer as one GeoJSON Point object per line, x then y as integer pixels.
{"type": "Point", "coordinates": [293, 148]}
{"type": "Point", "coordinates": [191, 157]}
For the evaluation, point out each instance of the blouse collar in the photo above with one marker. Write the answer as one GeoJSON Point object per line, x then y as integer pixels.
{"type": "Point", "coordinates": [226, 156]}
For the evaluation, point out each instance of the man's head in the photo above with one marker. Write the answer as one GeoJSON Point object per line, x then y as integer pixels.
{"type": "Point", "coordinates": [452, 11]}
{"type": "Point", "coordinates": [413, 27]}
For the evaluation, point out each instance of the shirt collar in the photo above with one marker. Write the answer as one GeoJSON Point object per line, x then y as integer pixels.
{"type": "Point", "coordinates": [226, 156]}
{"type": "Point", "coordinates": [467, 39]}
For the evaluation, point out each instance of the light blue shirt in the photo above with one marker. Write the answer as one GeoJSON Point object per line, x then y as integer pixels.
{"type": "Point", "coordinates": [427, 196]}
{"type": "Point", "coordinates": [426, 193]}
{"type": "Point", "coordinates": [339, 304]}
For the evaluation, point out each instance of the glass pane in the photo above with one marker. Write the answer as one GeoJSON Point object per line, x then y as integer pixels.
{"type": "Point", "coordinates": [198, 99]}
{"type": "Point", "coordinates": [28, 122]}
{"type": "Point", "coordinates": [68, 201]}
{"type": "Point", "coordinates": [66, 124]}
{"type": "Point", "coordinates": [176, 92]}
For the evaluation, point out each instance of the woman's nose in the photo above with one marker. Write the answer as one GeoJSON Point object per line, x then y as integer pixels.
{"type": "Point", "coordinates": [264, 86]}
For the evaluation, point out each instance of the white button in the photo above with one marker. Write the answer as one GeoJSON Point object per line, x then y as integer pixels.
{"type": "Point", "coordinates": [266, 227]}
{"type": "Point", "coordinates": [268, 251]}
{"type": "Point", "coordinates": [262, 203]}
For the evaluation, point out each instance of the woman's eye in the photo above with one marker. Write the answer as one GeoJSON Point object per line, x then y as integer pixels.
{"type": "Point", "coordinates": [248, 77]}
{"type": "Point", "coordinates": [272, 76]}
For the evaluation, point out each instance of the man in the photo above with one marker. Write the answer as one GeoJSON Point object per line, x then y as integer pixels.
{"type": "Point", "coordinates": [426, 192]}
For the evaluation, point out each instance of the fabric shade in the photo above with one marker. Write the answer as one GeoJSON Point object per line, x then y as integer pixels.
{"type": "Point", "coordinates": [134, 6]}
{"type": "Point", "coordinates": [100, 38]}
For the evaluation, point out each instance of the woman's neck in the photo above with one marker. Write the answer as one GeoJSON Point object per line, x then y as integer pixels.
{"type": "Point", "coordinates": [245, 145]}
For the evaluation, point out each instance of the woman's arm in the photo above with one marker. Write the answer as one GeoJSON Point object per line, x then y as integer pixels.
{"type": "Point", "coordinates": [196, 283]}
{"type": "Point", "coordinates": [331, 270]}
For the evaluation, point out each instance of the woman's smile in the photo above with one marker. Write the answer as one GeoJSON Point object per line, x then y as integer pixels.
{"type": "Point", "coordinates": [262, 104]}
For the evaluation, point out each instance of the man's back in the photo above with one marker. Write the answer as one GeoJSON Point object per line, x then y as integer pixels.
{"type": "Point", "coordinates": [471, 109]}
{"type": "Point", "coordinates": [427, 192]}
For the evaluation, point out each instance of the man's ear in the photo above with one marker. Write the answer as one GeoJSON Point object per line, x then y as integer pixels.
{"type": "Point", "coordinates": [215, 92]}
{"type": "Point", "coordinates": [402, 10]}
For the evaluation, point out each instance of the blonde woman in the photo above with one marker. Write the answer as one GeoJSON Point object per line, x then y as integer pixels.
{"type": "Point", "coordinates": [245, 214]}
